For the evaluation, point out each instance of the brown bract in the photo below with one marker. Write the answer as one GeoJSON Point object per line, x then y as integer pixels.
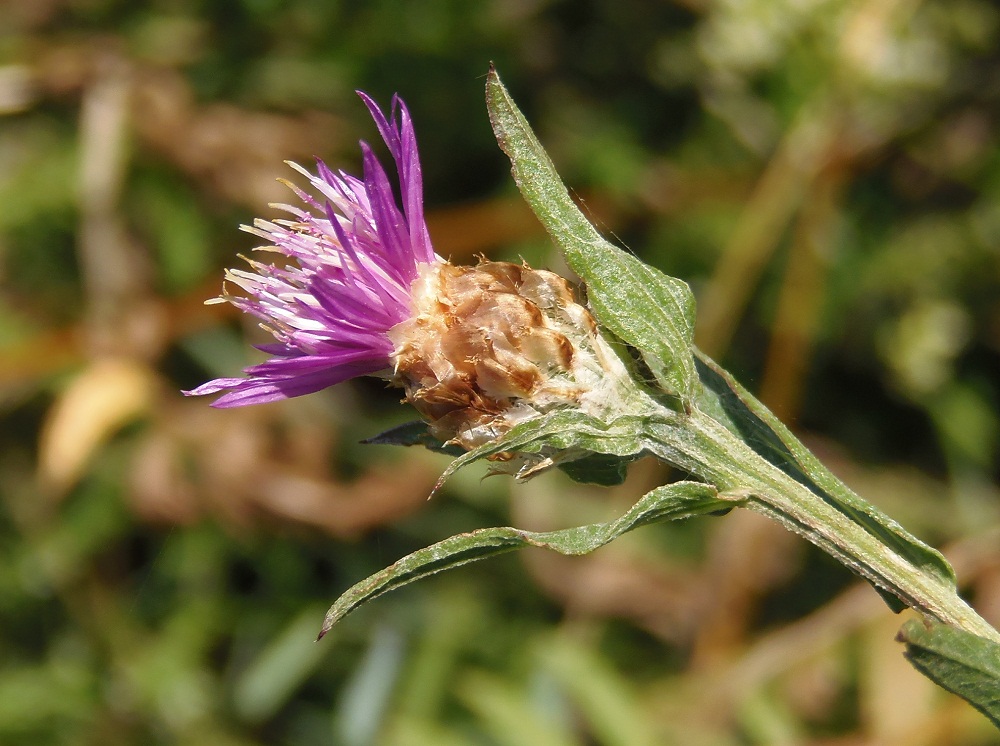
{"type": "Point", "coordinates": [487, 346]}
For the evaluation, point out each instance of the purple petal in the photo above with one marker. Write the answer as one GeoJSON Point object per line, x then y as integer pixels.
{"type": "Point", "coordinates": [353, 254]}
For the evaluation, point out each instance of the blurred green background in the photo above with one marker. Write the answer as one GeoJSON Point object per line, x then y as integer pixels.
{"type": "Point", "coordinates": [825, 174]}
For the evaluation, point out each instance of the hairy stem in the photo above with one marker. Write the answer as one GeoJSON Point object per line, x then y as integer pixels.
{"type": "Point", "coordinates": [705, 447]}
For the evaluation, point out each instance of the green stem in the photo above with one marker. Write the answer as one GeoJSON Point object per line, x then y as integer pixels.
{"type": "Point", "coordinates": [705, 447]}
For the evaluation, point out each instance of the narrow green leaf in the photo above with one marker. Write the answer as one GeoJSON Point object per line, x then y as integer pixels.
{"type": "Point", "coordinates": [640, 305]}
{"type": "Point", "coordinates": [723, 398]}
{"type": "Point", "coordinates": [606, 471]}
{"type": "Point", "coordinates": [669, 502]}
{"type": "Point", "coordinates": [963, 663]}
{"type": "Point", "coordinates": [569, 433]}
{"type": "Point", "coordinates": [412, 434]}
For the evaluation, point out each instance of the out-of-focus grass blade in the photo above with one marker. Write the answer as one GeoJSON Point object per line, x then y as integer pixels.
{"type": "Point", "coordinates": [367, 695]}
{"type": "Point", "coordinates": [278, 671]}
{"type": "Point", "coordinates": [602, 696]}
{"type": "Point", "coordinates": [508, 713]}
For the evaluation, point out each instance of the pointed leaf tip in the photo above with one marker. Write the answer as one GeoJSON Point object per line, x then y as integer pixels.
{"type": "Point", "coordinates": [669, 502]}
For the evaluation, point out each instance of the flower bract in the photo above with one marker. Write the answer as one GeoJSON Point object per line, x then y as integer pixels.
{"type": "Point", "coordinates": [477, 349]}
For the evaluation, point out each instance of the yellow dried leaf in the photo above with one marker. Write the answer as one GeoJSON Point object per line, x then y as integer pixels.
{"type": "Point", "coordinates": [100, 400]}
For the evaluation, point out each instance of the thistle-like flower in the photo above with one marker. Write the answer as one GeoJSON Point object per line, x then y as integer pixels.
{"type": "Point", "coordinates": [354, 255]}
{"type": "Point", "coordinates": [476, 349]}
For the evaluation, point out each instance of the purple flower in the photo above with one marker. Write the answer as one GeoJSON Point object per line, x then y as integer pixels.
{"type": "Point", "coordinates": [355, 255]}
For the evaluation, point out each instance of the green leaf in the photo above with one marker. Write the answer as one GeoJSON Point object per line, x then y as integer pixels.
{"type": "Point", "coordinates": [595, 468]}
{"type": "Point", "coordinates": [669, 502]}
{"type": "Point", "coordinates": [412, 434]}
{"type": "Point", "coordinates": [598, 468]}
{"type": "Point", "coordinates": [640, 305]}
{"type": "Point", "coordinates": [568, 433]}
{"type": "Point", "coordinates": [963, 663]}
{"type": "Point", "coordinates": [723, 398]}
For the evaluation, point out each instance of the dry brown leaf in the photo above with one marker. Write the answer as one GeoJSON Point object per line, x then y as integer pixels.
{"type": "Point", "coordinates": [104, 396]}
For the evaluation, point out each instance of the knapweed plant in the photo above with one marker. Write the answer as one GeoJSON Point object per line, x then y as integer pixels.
{"type": "Point", "coordinates": [509, 363]}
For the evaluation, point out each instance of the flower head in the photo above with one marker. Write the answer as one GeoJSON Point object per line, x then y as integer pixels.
{"type": "Point", "coordinates": [476, 349]}
{"type": "Point", "coordinates": [354, 255]}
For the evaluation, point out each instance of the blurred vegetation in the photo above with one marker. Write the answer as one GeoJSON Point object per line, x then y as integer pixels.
{"type": "Point", "coordinates": [825, 173]}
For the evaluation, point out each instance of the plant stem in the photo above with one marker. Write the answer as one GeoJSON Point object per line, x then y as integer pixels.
{"type": "Point", "coordinates": [707, 448]}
